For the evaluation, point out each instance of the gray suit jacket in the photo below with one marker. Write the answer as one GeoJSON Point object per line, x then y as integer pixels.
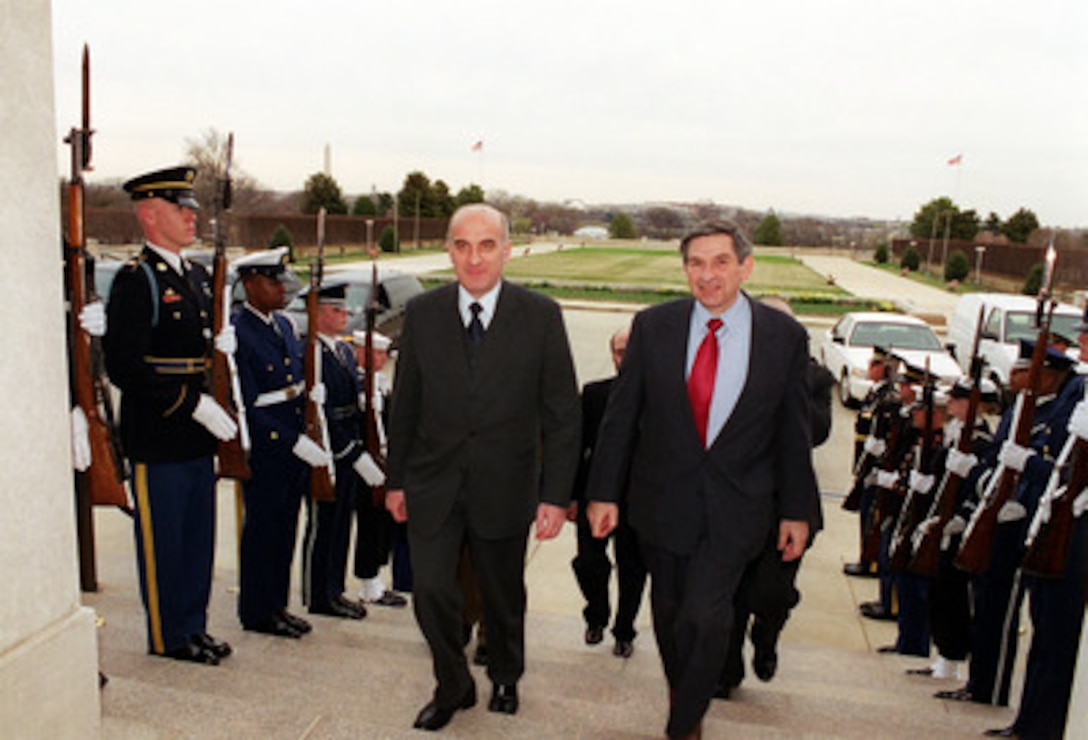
{"type": "Point", "coordinates": [759, 466]}
{"type": "Point", "coordinates": [496, 425]}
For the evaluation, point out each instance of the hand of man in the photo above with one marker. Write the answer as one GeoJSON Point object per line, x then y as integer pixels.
{"type": "Point", "coordinates": [92, 319]}
{"type": "Point", "coordinates": [1078, 420]}
{"type": "Point", "coordinates": [572, 511]}
{"type": "Point", "coordinates": [960, 463]}
{"type": "Point", "coordinates": [887, 479]}
{"type": "Point", "coordinates": [1014, 456]}
{"type": "Point", "coordinates": [792, 539]}
{"type": "Point", "coordinates": [81, 442]}
{"type": "Point", "coordinates": [1080, 503]}
{"type": "Point", "coordinates": [369, 470]}
{"type": "Point", "coordinates": [1011, 511]}
{"type": "Point", "coordinates": [396, 505]}
{"type": "Point", "coordinates": [956, 525]}
{"type": "Point", "coordinates": [226, 341]}
{"type": "Point", "coordinates": [317, 394]}
{"type": "Point", "coordinates": [602, 517]}
{"type": "Point", "coordinates": [310, 452]}
{"type": "Point", "coordinates": [549, 520]}
{"type": "Point", "coordinates": [874, 446]}
{"type": "Point", "coordinates": [921, 483]}
{"type": "Point", "coordinates": [212, 417]}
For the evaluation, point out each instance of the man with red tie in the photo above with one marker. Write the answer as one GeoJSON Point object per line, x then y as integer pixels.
{"type": "Point", "coordinates": [709, 424]}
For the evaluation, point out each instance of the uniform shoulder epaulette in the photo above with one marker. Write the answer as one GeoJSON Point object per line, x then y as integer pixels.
{"type": "Point", "coordinates": [133, 262]}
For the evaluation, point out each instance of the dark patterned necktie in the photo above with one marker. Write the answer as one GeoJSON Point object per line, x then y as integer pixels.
{"type": "Point", "coordinates": [475, 326]}
{"type": "Point", "coordinates": [701, 380]}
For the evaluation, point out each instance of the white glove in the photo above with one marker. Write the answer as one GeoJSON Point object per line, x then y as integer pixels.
{"type": "Point", "coordinates": [960, 463]}
{"type": "Point", "coordinates": [212, 417]}
{"type": "Point", "coordinates": [379, 402]}
{"type": "Point", "coordinates": [874, 446]}
{"type": "Point", "coordinates": [1014, 456]}
{"type": "Point", "coordinates": [1080, 503]}
{"type": "Point", "coordinates": [870, 478]}
{"type": "Point", "coordinates": [926, 526]}
{"type": "Point", "coordinates": [310, 452]}
{"type": "Point", "coordinates": [92, 319]}
{"type": "Point", "coordinates": [887, 478]}
{"type": "Point", "coordinates": [317, 394]}
{"type": "Point", "coordinates": [1011, 511]}
{"type": "Point", "coordinates": [368, 470]}
{"type": "Point", "coordinates": [920, 482]}
{"type": "Point", "coordinates": [955, 526]}
{"type": "Point", "coordinates": [226, 341]}
{"type": "Point", "coordinates": [81, 442]}
{"type": "Point", "coordinates": [1078, 420]}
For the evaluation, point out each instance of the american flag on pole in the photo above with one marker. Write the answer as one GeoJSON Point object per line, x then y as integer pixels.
{"type": "Point", "coordinates": [478, 146]}
{"type": "Point", "coordinates": [958, 159]}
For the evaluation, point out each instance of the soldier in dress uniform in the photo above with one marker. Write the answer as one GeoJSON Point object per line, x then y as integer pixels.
{"type": "Point", "coordinates": [270, 370]}
{"type": "Point", "coordinates": [157, 345]}
{"type": "Point", "coordinates": [328, 526]}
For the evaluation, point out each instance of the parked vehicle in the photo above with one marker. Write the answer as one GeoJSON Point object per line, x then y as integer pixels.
{"type": "Point", "coordinates": [1007, 318]}
{"type": "Point", "coordinates": [847, 347]}
{"type": "Point", "coordinates": [394, 291]}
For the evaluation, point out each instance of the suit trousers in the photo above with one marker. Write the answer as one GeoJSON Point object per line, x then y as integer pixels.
{"type": "Point", "coordinates": [692, 602]}
{"type": "Point", "coordinates": [439, 603]}
{"type": "Point", "coordinates": [373, 534]}
{"type": "Point", "coordinates": [950, 607]}
{"type": "Point", "coordinates": [592, 568]}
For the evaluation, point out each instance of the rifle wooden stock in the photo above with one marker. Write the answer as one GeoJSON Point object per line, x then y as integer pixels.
{"type": "Point", "coordinates": [233, 462]}
{"type": "Point", "coordinates": [978, 539]}
{"type": "Point", "coordinates": [1048, 550]}
{"type": "Point", "coordinates": [868, 461]}
{"type": "Point", "coordinates": [916, 505]}
{"type": "Point", "coordinates": [373, 439]}
{"type": "Point", "coordinates": [322, 485]}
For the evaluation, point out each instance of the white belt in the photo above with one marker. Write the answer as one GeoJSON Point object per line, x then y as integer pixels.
{"type": "Point", "coordinates": [271, 398]}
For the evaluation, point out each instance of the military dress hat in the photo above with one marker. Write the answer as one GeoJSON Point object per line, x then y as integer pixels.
{"type": "Point", "coordinates": [909, 373]}
{"type": "Point", "coordinates": [268, 262]}
{"type": "Point", "coordinates": [379, 340]}
{"type": "Point", "coordinates": [331, 294]}
{"type": "Point", "coordinates": [1054, 359]}
{"type": "Point", "coordinates": [174, 184]}
{"type": "Point", "coordinates": [962, 389]}
{"type": "Point", "coordinates": [880, 354]}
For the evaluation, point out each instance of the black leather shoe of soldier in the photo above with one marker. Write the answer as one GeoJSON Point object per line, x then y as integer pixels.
{"type": "Point", "coordinates": [859, 570]}
{"type": "Point", "coordinates": [297, 622]}
{"type": "Point", "coordinates": [192, 654]}
{"type": "Point", "coordinates": [276, 626]}
{"type": "Point", "coordinates": [594, 635]}
{"type": "Point", "coordinates": [623, 649]}
{"type": "Point", "coordinates": [1009, 731]}
{"type": "Point", "coordinates": [336, 609]}
{"type": "Point", "coordinates": [504, 699]}
{"type": "Point", "coordinates": [219, 648]}
{"type": "Point", "coordinates": [433, 717]}
{"type": "Point", "coordinates": [875, 610]}
{"type": "Point", "coordinates": [391, 598]}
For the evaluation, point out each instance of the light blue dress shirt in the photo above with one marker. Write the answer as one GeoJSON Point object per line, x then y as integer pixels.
{"type": "Point", "coordinates": [734, 350]}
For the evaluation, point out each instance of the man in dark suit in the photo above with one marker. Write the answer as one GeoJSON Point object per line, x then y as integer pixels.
{"type": "Point", "coordinates": [709, 424]}
{"type": "Point", "coordinates": [483, 438]}
{"type": "Point", "coordinates": [591, 565]}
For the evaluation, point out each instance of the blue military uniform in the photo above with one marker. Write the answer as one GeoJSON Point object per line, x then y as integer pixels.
{"type": "Point", "coordinates": [269, 360]}
{"type": "Point", "coordinates": [157, 348]}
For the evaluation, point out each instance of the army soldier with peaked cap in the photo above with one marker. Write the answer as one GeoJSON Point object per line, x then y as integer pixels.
{"type": "Point", "coordinates": [157, 352]}
{"type": "Point", "coordinates": [270, 370]}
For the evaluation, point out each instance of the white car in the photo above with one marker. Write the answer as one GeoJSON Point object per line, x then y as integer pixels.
{"type": "Point", "coordinates": [847, 348]}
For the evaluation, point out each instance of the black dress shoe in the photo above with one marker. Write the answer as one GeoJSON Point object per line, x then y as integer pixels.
{"type": "Point", "coordinates": [220, 648]}
{"type": "Point", "coordinates": [103, 679]}
{"type": "Point", "coordinates": [623, 649]}
{"type": "Point", "coordinates": [860, 570]}
{"type": "Point", "coordinates": [433, 717]}
{"type": "Point", "coordinates": [765, 663]}
{"type": "Point", "coordinates": [504, 699]}
{"type": "Point", "coordinates": [955, 694]}
{"type": "Point", "coordinates": [594, 635]}
{"type": "Point", "coordinates": [356, 606]}
{"type": "Point", "coordinates": [192, 653]}
{"type": "Point", "coordinates": [887, 649]}
{"type": "Point", "coordinates": [480, 656]}
{"type": "Point", "coordinates": [876, 610]}
{"type": "Point", "coordinates": [336, 609]}
{"type": "Point", "coordinates": [276, 626]}
{"type": "Point", "coordinates": [297, 622]}
{"type": "Point", "coordinates": [391, 598]}
{"type": "Point", "coordinates": [1009, 731]}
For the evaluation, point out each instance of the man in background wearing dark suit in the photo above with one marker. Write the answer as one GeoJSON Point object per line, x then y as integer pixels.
{"type": "Point", "coordinates": [591, 565]}
{"type": "Point", "coordinates": [483, 439]}
{"type": "Point", "coordinates": [709, 424]}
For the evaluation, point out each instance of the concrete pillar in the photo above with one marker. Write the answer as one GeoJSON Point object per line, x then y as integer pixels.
{"type": "Point", "coordinates": [48, 653]}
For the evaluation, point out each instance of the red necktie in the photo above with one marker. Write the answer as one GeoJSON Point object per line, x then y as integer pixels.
{"type": "Point", "coordinates": [701, 380]}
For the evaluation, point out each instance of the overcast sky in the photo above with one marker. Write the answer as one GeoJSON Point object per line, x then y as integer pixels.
{"type": "Point", "coordinates": [839, 107]}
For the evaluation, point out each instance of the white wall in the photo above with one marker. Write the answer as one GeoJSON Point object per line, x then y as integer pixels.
{"type": "Point", "coordinates": [48, 654]}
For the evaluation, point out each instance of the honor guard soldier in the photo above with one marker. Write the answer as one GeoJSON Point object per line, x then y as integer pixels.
{"type": "Point", "coordinates": [269, 362]}
{"type": "Point", "coordinates": [328, 526]}
{"type": "Point", "coordinates": [158, 344]}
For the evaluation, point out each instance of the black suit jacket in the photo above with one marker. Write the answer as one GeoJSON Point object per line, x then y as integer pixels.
{"type": "Point", "coordinates": [757, 468]}
{"type": "Point", "coordinates": [496, 424]}
{"type": "Point", "coordinates": [594, 400]}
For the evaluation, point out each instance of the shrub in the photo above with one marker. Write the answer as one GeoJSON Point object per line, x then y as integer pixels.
{"type": "Point", "coordinates": [388, 241]}
{"type": "Point", "coordinates": [880, 256]}
{"type": "Point", "coordinates": [910, 259]}
{"type": "Point", "coordinates": [957, 267]}
{"type": "Point", "coordinates": [1034, 280]}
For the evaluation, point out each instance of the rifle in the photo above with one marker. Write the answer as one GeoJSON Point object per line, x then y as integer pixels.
{"type": "Point", "coordinates": [914, 508]}
{"type": "Point", "coordinates": [1051, 531]}
{"type": "Point", "coordinates": [322, 479]}
{"type": "Point", "coordinates": [102, 483]}
{"type": "Point", "coordinates": [372, 429]}
{"type": "Point", "coordinates": [927, 548]}
{"type": "Point", "coordinates": [882, 416]}
{"type": "Point", "coordinates": [225, 386]}
{"type": "Point", "coordinates": [882, 504]}
{"type": "Point", "coordinates": [978, 538]}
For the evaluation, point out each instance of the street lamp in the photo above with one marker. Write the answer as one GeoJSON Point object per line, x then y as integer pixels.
{"type": "Point", "coordinates": [979, 251]}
